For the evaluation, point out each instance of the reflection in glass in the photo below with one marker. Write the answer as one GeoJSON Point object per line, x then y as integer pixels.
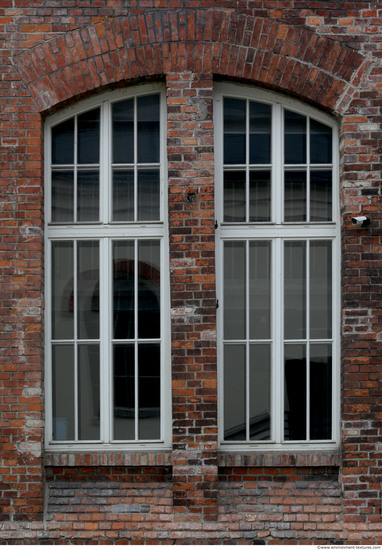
{"type": "Point", "coordinates": [88, 137]}
{"type": "Point", "coordinates": [88, 289]}
{"type": "Point", "coordinates": [295, 197]}
{"type": "Point", "coordinates": [321, 196]}
{"type": "Point", "coordinates": [259, 133]}
{"type": "Point", "coordinates": [234, 290]}
{"type": "Point", "coordinates": [123, 195]}
{"type": "Point", "coordinates": [320, 289]}
{"type": "Point", "coordinates": [295, 290]}
{"type": "Point", "coordinates": [234, 131]}
{"type": "Point", "coordinates": [62, 291]}
{"type": "Point", "coordinates": [295, 138]}
{"type": "Point", "coordinates": [123, 289]}
{"type": "Point", "coordinates": [149, 289]}
{"type": "Point", "coordinates": [260, 392]}
{"type": "Point", "coordinates": [87, 195]}
{"type": "Point", "coordinates": [320, 391]}
{"type": "Point", "coordinates": [123, 131]}
{"type": "Point", "coordinates": [320, 143]}
{"type": "Point", "coordinates": [234, 393]}
{"type": "Point", "coordinates": [149, 391]}
{"type": "Point", "coordinates": [260, 196]}
{"type": "Point", "coordinates": [63, 392]}
{"type": "Point", "coordinates": [234, 197]}
{"type": "Point", "coordinates": [63, 142]}
{"type": "Point", "coordinates": [62, 196]}
{"type": "Point", "coordinates": [148, 128]}
{"type": "Point", "coordinates": [88, 392]}
{"type": "Point", "coordinates": [259, 290]}
{"type": "Point", "coordinates": [124, 392]}
{"type": "Point", "coordinates": [295, 392]}
{"type": "Point", "coordinates": [148, 195]}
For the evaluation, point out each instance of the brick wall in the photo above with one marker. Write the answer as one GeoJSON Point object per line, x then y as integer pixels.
{"type": "Point", "coordinates": [327, 54]}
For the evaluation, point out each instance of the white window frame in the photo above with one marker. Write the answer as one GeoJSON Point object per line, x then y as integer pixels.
{"type": "Point", "coordinates": [107, 232]}
{"type": "Point", "coordinates": [276, 231]}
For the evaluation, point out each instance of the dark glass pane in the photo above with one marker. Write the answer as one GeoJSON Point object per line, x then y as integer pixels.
{"type": "Point", "coordinates": [260, 392]}
{"type": "Point", "coordinates": [87, 195]}
{"type": "Point", "coordinates": [148, 195]}
{"type": "Point", "coordinates": [63, 142]}
{"type": "Point", "coordinates": [124, 392]}
{"type": "Point", "coordinates": [88, 289]}
{"type": "Point", "coordinates": [321, 196]}
{"type": "Point", "coordinates": [259, 290]}
{"type": "Point", "coordinates": [148, 128]}
{"type": "Point", "coordinates": [149, 391]}
{"type": "Point", "coordinates": [63, 392]}
{"type": "Point", "coordinates": [123, 195]}
{"type": "Point", "coordinates": [295, 393]}
{"type": "Point", "coordinates": [234, 131]}
{"type": "Point", "coordinates": [295, 138]}
{"type": "Point", "coordinates": [234, 290]}
{"type": "Point", "coordinates": [234, 197]}
{"type": "Point", "coordinates": [88, 392]}
{"type": "Point", "coordinates": [295, 197]}
{"type": "Point", "coordinates": [259, 133]}
{"type": "Point", "coordinates": [123, 289]}
{"type": "Point", "coordinates": [148, 289]}
{"type": "Point", "coordinates": [234, 393]}
{"type": "Point", "coordinates": [88, 137]}
{"type": "Point", "coordinates": [259, 196]}
{"type": "Point", "coordinates": [320, 391]}
{"type": "Point", "coordinates": [62, 291]}
{"type": "Point", "coordinates": [123, 131]}
{"type": "Point", "coordinates": [320, 143]}
{"type": "Point", "coordinates": [320, 289]}
{"type": "Point", "coordinates": [62, 196]}
{"type": "Point", "coordinates": [295, 290]}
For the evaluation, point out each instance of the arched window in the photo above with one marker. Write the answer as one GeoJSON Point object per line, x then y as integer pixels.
{"type": "Point", "coordinates": [278, 276]}
{"type": "Point", "coordinates": [107, 324]}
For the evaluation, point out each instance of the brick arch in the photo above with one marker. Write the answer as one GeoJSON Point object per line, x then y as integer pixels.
{"type": "Point", "coordinates": [261, 51]}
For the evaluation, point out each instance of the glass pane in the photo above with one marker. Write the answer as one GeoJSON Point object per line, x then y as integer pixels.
{"type": "Point", "coordinates": [320, 143]}
{"type": "Point", "coordinates": [148, 289]}
{"type": "Point", "coordinates": [234, 393]}
{"type": "Point", "coordinates": [87, 195]}
{"type": "Point", "coordinates": [234, 197]}
{"type": "Point", "coordinates": [148, 195]}
{"type": "Point", "coordinates": [63, 142]}
{"type": "Point", "coordinates": [62, 291]}
{"type": "Point", "coordinates": [62, 196]}
{"type": "Point", "coordinates": [123, 131]}
{"type": "Point", "coordinates": [123, 195]}
{"type": "Point", "coordinates": [260, 196]}
{"type": "Point", "coordinates": [259, 290]}
{"type": "Point", "coordinates": [63, 392]}
{"type": "Point", "coordinates": [234, 291]}
{"type": "Point", "coordinates": [88, 137]}
{"type": "Point", "coordinates": [320, 391]}
{"type": "Point", "coordinates": [88, 392]}
{"type": "Point", "coordinates": [320, 289]}
{"type": "Point", "coordinates": [295, 393]}
{"type": "Point", "coordinates": [149, 391]}
{"type": "Point", "coordinates": [259, 133]}
{"type": "Point", "coordinates": [295, 138]}
{"type": "Point", "coordinates": [295, 197]}
{"type": "Point", "coordinates": [123, 289]}
{"type": "Point", "coordinates": [148, 128]}
{"type": "Point", "coordinates": [234, 131]}
{"type": "Point", "coordinates": [260, 392]}
{"type": "Point", "coordinates": [321, 196]}
{"type": "Point", "coordinates": [295, 290]}
{"type": "Point", "coordinates": [88, 289]}
{"type": "Point", "coordinates": [124, 392]}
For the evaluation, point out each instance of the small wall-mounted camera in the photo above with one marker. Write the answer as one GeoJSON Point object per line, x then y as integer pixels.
{"type": "Point", "coordinates": [361, 221]}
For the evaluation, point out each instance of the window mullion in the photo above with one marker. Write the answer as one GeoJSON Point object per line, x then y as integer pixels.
{"type": "Point", "coordinates": [247, 363]}
{"type": "Point", "coordinates": [105, 163]}
{"type": "Point", "coordinates": [75, 168]}
{"type": "Point", "coordinates": [136, 404]}
{"type": "Point", "coordinates": [307, 339]}
{"type": "Point", "coordinates": [278, 346]}
{"type": "Point", "coordinates": [106, 315]}
{"type": "Point", "coordinates": [75, 315]}
{"type": "Point", "coordinates": [277, 163]}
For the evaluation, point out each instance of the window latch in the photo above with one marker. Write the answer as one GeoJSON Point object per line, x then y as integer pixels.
{"type": "Point", "coordinates": [216, 224]}
{"type": "Point", "coordinates": [217, 304]}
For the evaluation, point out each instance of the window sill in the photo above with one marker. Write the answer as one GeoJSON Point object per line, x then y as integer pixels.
{"type": "Point", "coordinates": [110, 458]}
{"type": "Point", "coordinates": [285, 459]}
